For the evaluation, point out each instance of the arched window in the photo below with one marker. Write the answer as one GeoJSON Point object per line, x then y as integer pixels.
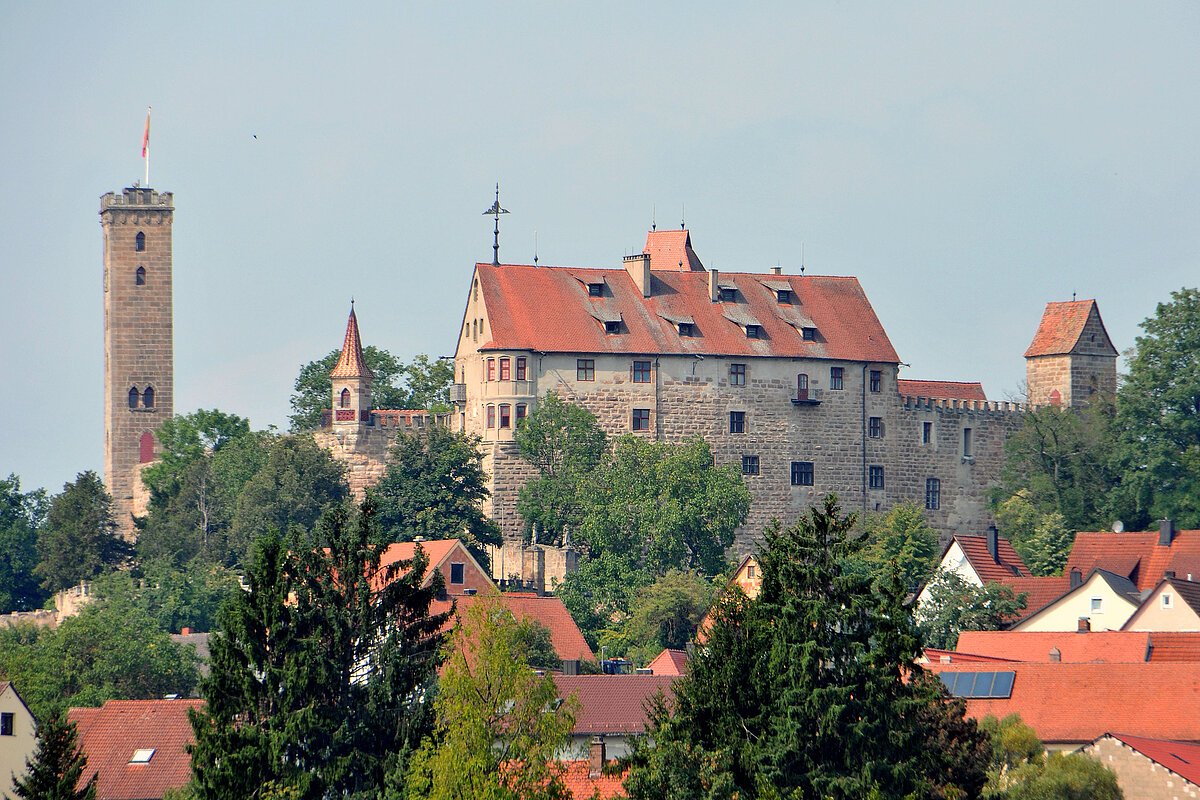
{"type": "Point", "coordinates": [139, 243]}
{"type": "Point", "coordinates": [148, 397]}
{"type": "Point", "coordinates": [134, 396]}
{"type": "Point", "coordinates": [146, 448]}
{"type": "Point", "coordinates": [140, 280]}
{"type": "Point", "coordinates": [345, 400]}
{"type": "Point", "coordinates": [801, 386]}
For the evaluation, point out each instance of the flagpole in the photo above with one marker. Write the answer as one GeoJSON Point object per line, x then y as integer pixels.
{"type": "Point", "coordinates": [146, 147]}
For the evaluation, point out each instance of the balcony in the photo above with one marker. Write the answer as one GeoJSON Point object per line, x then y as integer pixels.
{"type": "Point", "coordinates": [807, 397]}
{"type": "Point", "coordinates": [458, 394]}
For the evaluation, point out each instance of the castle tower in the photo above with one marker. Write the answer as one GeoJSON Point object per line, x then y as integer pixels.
{"type": "Point", "coordinates": [1071, 356]}
{"type": "Point", "coordinates": [351, 382]}
{"type": "Point", "coordinates": [139, 392]}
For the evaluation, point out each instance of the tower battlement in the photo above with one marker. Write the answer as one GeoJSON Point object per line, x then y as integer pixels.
{"type": "Point", "coordinates": [918, 403]}
{"type": "Point", "coordinates": [137, 197]}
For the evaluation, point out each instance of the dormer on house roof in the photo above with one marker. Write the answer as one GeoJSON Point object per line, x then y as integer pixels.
{"type": "Point", "coordinates": [350, 363]}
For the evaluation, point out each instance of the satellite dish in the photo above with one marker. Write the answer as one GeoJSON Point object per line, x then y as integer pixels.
{"type": "Point", "coordinates": [1118, 527]}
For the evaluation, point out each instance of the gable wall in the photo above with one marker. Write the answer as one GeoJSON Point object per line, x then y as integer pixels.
{"type": "Point", "coordinates": [1153, 617]}
{"type": "Point", "coordinates": [15, 749]}
{"type": "Point", "coordinates": [1139, 777]}
{"type": "Point", "coordinates": [1064, 615]}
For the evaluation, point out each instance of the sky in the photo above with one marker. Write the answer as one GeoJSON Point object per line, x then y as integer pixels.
{"type": "Point", "coordinates": [968, 162]}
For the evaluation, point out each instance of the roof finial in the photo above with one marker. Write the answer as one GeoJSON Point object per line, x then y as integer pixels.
{"type": "Point", "coordinates": [1072, 297]}
{"type": "Point", "coordinates": [683, 216]}
{"type": "Point", "coordinates": [535, 257]}
{"type": "Point", "coordinates": [802, 258]}
{"type": "Point", "coordinates": [496, 211]}
{"type": "Point", "coordinates": [653, 218]}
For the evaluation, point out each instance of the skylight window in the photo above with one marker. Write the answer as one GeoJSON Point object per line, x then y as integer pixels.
{"type": "Point", "coordinates": [979, 685]}
{"type": "Point", "coordinates": [142, 756]}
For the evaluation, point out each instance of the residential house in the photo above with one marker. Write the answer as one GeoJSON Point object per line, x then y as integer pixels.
{"type": "Point", "coordinates": [461, 573]}
{"type": "Point", "coordinates": [18, 736]}
{"type": "Point", "coordinates": [669, 662]}
{"type": "Point", "coordinates": [613, 707]}
{"type": "Point", "coordinates": [1102, 602]}
{"type": "Point", "coordinates": [1149, 769]}
{"type": "Point", "coordinates": [1172, 605]}
{"type": "Point", "coordinates": [1077, 646]}
{"type": "Point", "coordinates": [547, 610]}
{"type": "Point", "coordinates": [585, 779]}
{"type": "Point", "coordinates": [1144, 558]}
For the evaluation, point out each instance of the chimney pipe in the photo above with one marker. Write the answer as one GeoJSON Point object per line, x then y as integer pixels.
{"type": "Point", "coordinates": [1166, 532]}
{"type": "Point", "coordinates": [1170, 573]}
{"type": "Point", "coordinates": [1076, 578]}
{"type": "Point", "coordinates": [714, 291]}
{"type": "Point", "coordinates": [596, 757]}
{"type": "Point", "coordinates": [1085, 625]}
{"type": "Point", "coordinates": [993, 543]}
{"type": "Point", "coordinates": [777, 270]}
{"type": "Point", "coordinates": [638, 267]}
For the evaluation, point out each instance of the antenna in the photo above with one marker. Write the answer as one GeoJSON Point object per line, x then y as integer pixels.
{"type": "Point", "coordinates": [496, 211]}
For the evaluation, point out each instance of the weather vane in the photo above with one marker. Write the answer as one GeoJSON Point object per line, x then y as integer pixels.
{"type": "Point", "coordinates": [496, 211]}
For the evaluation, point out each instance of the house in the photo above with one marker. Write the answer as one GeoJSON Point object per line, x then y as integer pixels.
{"type": "Point", "coordinates": [546, 610]}
{"type": "Point", "coordinates": [1148, 769]}
{"type": "Point", "coordinates": [1077, 647]}
{"type": "Point", "coordinates": [748, 578]}
{"type": "Point", "coordinates": [586, 779]}
{"type": "Point", "coordinates": [1144, 558]}
{"type": "Point", "coordinates": [613, 707]}
{"type": "Point", "coordinates": [669, 662]}
{"type": "Point", "coordinates": [138, 748]}
{"type": "Point", "coordinates": [1070, 705]}
{"type": "Point", "coordinates": [18, 736]}
{"type": "Point", "coordinates": [1172, 605]}
{"type": "Point", "coordinates": [461, 573]}
{"type": "Point", "coordinates": [1104, 602]}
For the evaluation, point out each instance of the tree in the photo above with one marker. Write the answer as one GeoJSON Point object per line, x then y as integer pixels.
{"type": "Point", "coordinates": [427, 382]}
{"type": "Point", "coordinates": [499, 725]}
{"type": "Point", "coordinates": [664, 614]}
{"type": "Point", "coordinates": [810, 690]}
{"type": "Point", "coordinates": [79, 539]}
{"type": "Point", "coordinates": [1043, 540]}
{"type": "Point", "coordinates": [1022, 770]}
{"type": "Point", "coordinates": [901, 537]}
{"type": "Point", "coordinates": [184, 440]}
{"type": "Point", "coordinates": [21, 514]}
{"type": "Point", "coordinates": [435, 487]}
{"type": "Point", "coordinates": [953, 605]}
{"type": "Point", "coordinates": [564, 443]}
{"type": "Point", "coordinates": [1157, 428]}
{"type": "Point", "coordinates": [57, 765]}
{"type": "Point", "coordinates": [535, 641]}
{"type": "Point", "coordinates": [322, 671]}
{"type": "Point", "coordinates": [172, 597]}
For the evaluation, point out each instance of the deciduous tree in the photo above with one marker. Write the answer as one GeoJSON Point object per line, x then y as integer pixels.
{"type": "Point", "coordinates": [79, 539]}
{"type": "Point", "coordinates": [57, 765]}
{"type": "Point", "coordinates": [953, 606]}
{"type": "Point", "coordinates": [184, 440]}
{"type": "Point", "coordinates": [664, 614]}
{"type": "Point", "coordinates": [21, 515]}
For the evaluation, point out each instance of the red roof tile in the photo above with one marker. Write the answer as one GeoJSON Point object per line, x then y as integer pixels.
{"type": "Point", "coordinates": [1079, 702]}
{"type": "Point", "coordinates": [350, 363]}
{"type": "Point", "coordinates": [669, 662]}
{"type": "Point", "coordinates": [672, 251]}
{"type": "Point", "coordinates": [109, 735]}
{"type": "Point", "coordinates": [1170, 646]}
{"type": "Point", "coordinates": [975, 548]}
{"type": "Point", "coordinates": [1061, 326]}
{"type": "Point", "coordinates": [933, 655]}
{"type": "Point", "coordinates": [1137, 556]}
{"type": "Point", "coordinates": [1039, 591]}
{"type": "Point", "coordinates": [1182, 758]}
{"type": "Point", "coordinates": [548, 309]}
{"type": "Point", "coordinates": [549, 611]}
{"type": "Point", "coordinates": [612, 704]}
{"type": "Point", "coordinates": [942, 390]}
{"type": "Point", "coordinates": [1099, 646]}
{"type": "Point", "coordinates": [575, 778]}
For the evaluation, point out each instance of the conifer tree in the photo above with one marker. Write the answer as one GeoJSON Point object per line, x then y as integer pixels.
{"type": "Point", "coordinates": [57, 765]}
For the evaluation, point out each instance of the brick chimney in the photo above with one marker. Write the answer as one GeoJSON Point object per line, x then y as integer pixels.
{"type": "Point", "coordinates": [714, 290]}
{"type": "Point", "coordinates": [638, 267]}
{"type": "Point", "coordinates": [1085, 625]}
{"type": "Point", "coordinates": [596, 757]}
{"type": "Point", "coordinates": [1166, 532]}
{"type": "Point", "coordinates": [185, 631]}
{"type": "Point", "coordinates": [993, 543]}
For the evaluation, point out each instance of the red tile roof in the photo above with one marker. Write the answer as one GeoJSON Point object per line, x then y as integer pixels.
{"type": "Point", "coordinates": [672, 251]}
{"type": "Point", "coordinates": [1039, 590]}
{"type": "Point", "coordinates": [1170, 646]}
{"type": "Point", "coordinates": [975, 548]}
{"type": "Point", "coordinates": [109, 735]}
{"type": "Point", "coordinates": [575, 778]}
{"type": "Point", "coordinates": [1098, 646]}
{"type": "Point", "coordinates": [1061, 326]}
{"type": "Point", "coordinates": [548, 309]}
{"type": "Point", "coordinates": [1137, 556]}
{"type": "Point", "coordinates": [613, 704]}
{"type": "Point", "coordinates": [350, 363]}
{"type": "Point", "coordinates": [942, 390]}
{"type": "Point", "coordinates": [1079, 702]}
{"type": "Point", "coordinates": [669, 662]}
{"type": "Point", "coordinates": [1182, 758]}
{"type": "Point", "coordinates": [549, 611]}
{"type": "Point", "coordinates": [935, 656]}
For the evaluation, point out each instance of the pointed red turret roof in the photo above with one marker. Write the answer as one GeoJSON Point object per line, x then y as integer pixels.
{"type": "Point", "coordinates": [1062, 326]}
{"type": "Point", "coordinates": [350, 364]}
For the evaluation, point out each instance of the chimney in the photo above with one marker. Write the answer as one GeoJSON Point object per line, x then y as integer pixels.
{"type": "Point", "coordinates": [777, 270]}
{"type": "Point", "coordinates": [596, 757]}
{"type": "Point", "coordinates": [1055, 655]}
{"type": "Point", "coordinates": [638, 267]}
{"type": "Point", "coordinates": [714, 291]}
{"type": "Point", "coordinates": [993, 543]}
{"type": "Point", "coordinates": [1076, 578]}
{"type": "Point", "coordinates": [1085, 625]}
{"type": "Point", "coordinates": [1166, 532]}
{"type": "Point", "coordinates": [185, 631]}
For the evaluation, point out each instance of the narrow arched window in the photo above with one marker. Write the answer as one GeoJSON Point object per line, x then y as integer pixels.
{"type": "Point", "coordinates": [139, 243]}
{"type": "Point", "coordinates": [345, 401]}
{"type": "Point", "coordinates": [134, 396]}
{"type": "Point", "coordinates": [148, 397]}
{"type": "Point", "coordinates": [140, 280]}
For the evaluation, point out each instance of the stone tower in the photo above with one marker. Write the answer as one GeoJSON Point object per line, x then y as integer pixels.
{"type": "Point", "coordinates": [138, 362]}
{"type": "Point", "coordinates": [1071, 357]}
{"type": "Point", "coordinates": [351, 382]}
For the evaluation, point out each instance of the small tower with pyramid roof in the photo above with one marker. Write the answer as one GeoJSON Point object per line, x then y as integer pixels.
{"type": "Point", "coordinates": [1071, 357]}
{"type": "Point", "coordinates": [351, 381]}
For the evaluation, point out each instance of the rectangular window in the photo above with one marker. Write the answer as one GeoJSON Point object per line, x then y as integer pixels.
{"type": "Point", "coordinates": [641, 372]}
{"type": "Point", "coordinates": [491, 416]}
{"type": "Point", "coordinates": [753, 331]}
{"type": "Point", "coordinates": [875, 427]}
{"type": "Point", "coordinates": [521, 410]}
{"type": "Point", "coordinates": [737, 374]}
{"type": "Point", "coordinates": [750, 571]}
{"type": "Point", "coordinates": [521, 369]}
{"type": "Point", "coordinates": [491, 369]}
{"type": "Point", "coordinates": [926, 432]}
{"type": "Point", "coordinates": [505, 372]}
{"type": "Point", "coordinates": [457, 572]}
{"type": "Point", "coordinates": [1166, 601]}
{"type": "Point", "coordinates": [933, 494]}
{"type": "Point", "coordinates": [685, 329]}
{"type": "Point", "coordinates": [595, 289]}
{"type": "Point", "coordinates": [585, 369]}
{"type": "Point", "coordinates": [876, 380]}
{"type": "Point", "coordinates": [837, 377]}
{"type": "Point", "coordinates": [802, 473]}
{"type": "Point", "coordinates": [749, 465]}
{"type": "Point", "coordinates": [7, 721]}
{"type": "Point", "coordinates": [728, 295]}
{"type": "Point", "coordinates": [612, 326]}
{"type": "Point", "coordinates": [809, 334]}
{"type": "Point", "coordinates": [641, 419]}
{"type": "Point", "coordinates": [737, 421]}
{"type": "Point", "coordinates": [784, 295]}
{"type": "Point", "coordinates": [505, 415]}
{"type": "Point", "coordinates": [875, 477]}
{"type": "Point", "coordinates": [967, 452]}
{"type": "Point", "coordinates": [1097, 605]}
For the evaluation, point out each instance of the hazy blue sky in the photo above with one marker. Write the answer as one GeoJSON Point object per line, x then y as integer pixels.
{"type": "Point", "coordinates": [968, 162]}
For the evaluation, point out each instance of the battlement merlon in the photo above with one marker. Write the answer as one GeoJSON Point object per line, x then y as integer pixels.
{"type": "Point", "coordinates": [918, 403]}
{"type": "Point", "coordinates": [137, 198]}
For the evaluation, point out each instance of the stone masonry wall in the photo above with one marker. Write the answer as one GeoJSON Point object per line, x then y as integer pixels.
{"type": "Point", "coordinates": [1139, 777]}
{"type": "Point", "coordinates": [362, 450]}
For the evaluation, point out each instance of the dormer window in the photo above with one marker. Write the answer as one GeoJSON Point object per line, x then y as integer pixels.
{"type": "Point", "coordinates": [728, 294]}
{"type": "Point", "coordinates": [595, 289]}
{"type": "Point", "coordinates": [809, 334]}
{"type": "Point", "coordinates": [753, 331]}
{"type": "Point", "coordinates": [686, 329]}
{"type": "Point", "coordinates": [784, 296]}
{"type": "Point", "coordinates": [612, 327]}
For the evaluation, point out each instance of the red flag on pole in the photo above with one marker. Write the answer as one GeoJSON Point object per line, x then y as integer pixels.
{"type": "Point", "coordinates": [146, 134]}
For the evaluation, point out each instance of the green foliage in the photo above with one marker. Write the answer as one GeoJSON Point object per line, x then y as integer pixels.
{"type": "Point", "coordinates": [810, 690]}
{"type": "Point", "coordinates": [183, 441]}
{"type": "Point", "coordinates": [499, 727]}
{"type": "Point", "coordinates": [112, 649]}
{"type": "Point", "coordinates": [21, 514]}
{"type": "Point", "coordinates": [320, 681]}
{"type": "Point", "coordinates": [1156, 445]}
{"type": "Point", "coordinates": [1071, 776]}
{"type": "Point", "coordinates": [173, 598]}
{"type": "Point", "coordinates": [422, 383]}
{"type": "Point", "coordinates": [435, 487]}
{"type": "Point", "coordinates": [564, 443]}
{"type": "Point", "coordinates": [664, 614]}
{"type": "Point", "coordinates": [57, 765]}
{"type": "Point", "coordinates": [79, 539]}
{"type": "Point", "coordinates": [534, 639]}
{"type": "Point", "coordinates": [1043, 540]}
{"type": "Point", "coordinates": [900, 539]}
{"type": "Point", "coordinates": [953, 605]}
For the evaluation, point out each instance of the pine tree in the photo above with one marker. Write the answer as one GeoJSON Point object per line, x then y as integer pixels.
{"type": "Point", "coordinates": [57, 765]}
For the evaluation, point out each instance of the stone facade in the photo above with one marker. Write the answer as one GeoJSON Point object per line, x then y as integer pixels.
{"type": "Point", "coordinates": [362, 447]}
{"type": "Point", "coordinates": [1139, 777]}
{"type": "Point", "coordinates": [138, 359]}
{"type": "Point", "coordinates": [1070, 375]}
